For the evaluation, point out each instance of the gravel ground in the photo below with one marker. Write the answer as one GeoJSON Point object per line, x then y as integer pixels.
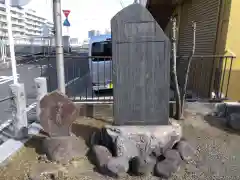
{"type": "Point", "coordinates": [218, 153]}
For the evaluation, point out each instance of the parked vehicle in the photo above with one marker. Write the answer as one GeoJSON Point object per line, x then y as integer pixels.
{"type": "Point", "coordinates": [100, 49]}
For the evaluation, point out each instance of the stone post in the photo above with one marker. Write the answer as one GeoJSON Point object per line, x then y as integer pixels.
{"type": "Point", "coordinates": [20, 122]}
{"type": "Point", "coordinates": [41, 88]}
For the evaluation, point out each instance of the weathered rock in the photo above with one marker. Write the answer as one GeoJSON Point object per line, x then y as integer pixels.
{"type": "Point", "coordinates": [220, 110]}
{"type": "Point", "coordinates": [185, 150]}
{"type": "Point", "coordinates": [64, 149]}
{"type": "Point", "coordinates": [101, 157]}
{"type": "Point", "coordinates": [157, 151]}
{"type": "Point", "coordinates": [46, 171]}
{"type": "Point", "coordinates": [173, 155]}
{"type": "Point", "coordinates": [142, 165]}
{"type": "Point", "coordinates": [126, 147]}
{"type": "Point", "coordinates": [57, 114]}
{"type": "Point", "coordinates": [107, 141]}
{"type": "Point", "coordinates": [233, 121]}
{"type": "Point", "coordinates": [118, 166]}
{"type": "Point", "coordinates": [166, 168]}
{"type": "Point", "coordinates": [145, 138]}
{"type": "Point", "coordinates": [171, 142]}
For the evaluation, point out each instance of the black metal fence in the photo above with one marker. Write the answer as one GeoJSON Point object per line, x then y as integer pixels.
{"type": "Point", "coordinates": [89, 79]}
{"type": "Point", "coordinates": [209, 75]}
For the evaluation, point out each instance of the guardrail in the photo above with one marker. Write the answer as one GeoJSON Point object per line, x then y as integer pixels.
{"type": "Point", "coordinates": [6, 99]}
{"type": "Point", "coordinates": [6, 123]}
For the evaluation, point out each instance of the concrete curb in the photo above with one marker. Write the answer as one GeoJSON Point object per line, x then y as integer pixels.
{"type": "Point", "coordinates": [11, 146]}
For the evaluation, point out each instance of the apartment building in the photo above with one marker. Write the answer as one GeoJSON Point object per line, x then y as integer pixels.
{"type": "Point", "coordinates": [34, 23]}
{"type": "Point", "coordinates": [17, 21]}
{"type": "Point", "coordinates": [24, 22]}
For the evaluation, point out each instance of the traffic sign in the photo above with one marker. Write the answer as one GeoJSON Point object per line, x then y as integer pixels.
{"type": "Point", "coordinates": [66, 23]}
{"type": "Point", "coordinates": [66, 13]}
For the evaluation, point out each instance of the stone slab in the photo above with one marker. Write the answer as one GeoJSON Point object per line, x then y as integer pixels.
{"type": "Point", "coordinates": [144, 138]}
{"type": "Point", "coordinates": [57, 114]}
{"type": "Point", "coordinates": [141, 68]}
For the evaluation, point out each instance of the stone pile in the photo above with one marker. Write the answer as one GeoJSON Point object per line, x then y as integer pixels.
{"type": "Point", "coordinates": [56, 117]}
{"type": "Point", "coordinates": [143, 151]}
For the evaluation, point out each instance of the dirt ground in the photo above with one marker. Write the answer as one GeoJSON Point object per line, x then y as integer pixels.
{"type": "Point", "coordinates": [218, 152]}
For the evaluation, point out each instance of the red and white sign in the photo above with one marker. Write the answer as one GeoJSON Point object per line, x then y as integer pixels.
{"type": "Point", "coordinates": [66, 13]}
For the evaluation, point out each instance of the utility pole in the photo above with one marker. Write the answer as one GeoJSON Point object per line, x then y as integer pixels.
{"type": "Point", "coordinates": [59, 44]}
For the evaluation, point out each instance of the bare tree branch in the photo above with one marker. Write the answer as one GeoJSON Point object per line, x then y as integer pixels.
{"type": "Point", "coordinates": [183, 94]}
{"type": "Point", "coordinates": [174, 71]}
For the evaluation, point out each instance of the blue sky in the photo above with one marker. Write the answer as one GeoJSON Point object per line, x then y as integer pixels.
{"type": "Point", "coordinates": [85, 14]}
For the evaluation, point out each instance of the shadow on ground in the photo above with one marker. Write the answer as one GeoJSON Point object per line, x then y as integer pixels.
{"type": "Point", "coordinates": [84, 131]}
{"type": "Point", "coordinates": [220, 123]}
{"type": "Point", "coordinates": [36, 143]}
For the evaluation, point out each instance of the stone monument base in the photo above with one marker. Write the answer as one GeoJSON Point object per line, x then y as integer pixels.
{"type": "Point", "coordinates": [63, 149]}
{"type": "Point", "coordinates": [140, 150]}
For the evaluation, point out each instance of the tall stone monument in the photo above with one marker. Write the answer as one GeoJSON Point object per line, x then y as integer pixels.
{"type": "Point", "coordinates": [141, 77]}
{"type": "Point", "coordinates": [141, 68]}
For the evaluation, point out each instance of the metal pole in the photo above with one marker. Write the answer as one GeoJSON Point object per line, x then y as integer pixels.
{"type": "Point", "coordinates": [59, 44]}
{"type": "Point", "coordinates": [11, 42]}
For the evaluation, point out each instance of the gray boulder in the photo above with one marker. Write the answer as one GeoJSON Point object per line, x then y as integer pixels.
{"type": "Point", "coordinates": [101, 157]}
{"type": "Point", "coordinates": [166, 168]}
{"type": "Point", "coordinates": [185, 150]}
{"type": "Point", "coordinates": [143, 165]}
{"type": "Point", "coordinates": [118, 166]}
{"type": "Point", "coordinates": [233, 121]}
{"type": "Point", "coordinates": [172, 155]}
